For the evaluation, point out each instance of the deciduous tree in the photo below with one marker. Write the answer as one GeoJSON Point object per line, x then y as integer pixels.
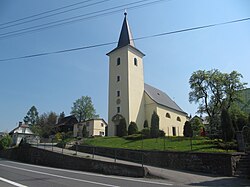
{"type": "Point", "coordinates": [83, 109]}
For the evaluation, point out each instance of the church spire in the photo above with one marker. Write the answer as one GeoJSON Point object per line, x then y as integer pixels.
{"type": "Point", "coordinates": [126, 34]}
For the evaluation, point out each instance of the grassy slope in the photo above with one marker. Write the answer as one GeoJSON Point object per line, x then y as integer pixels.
{"type": "Point", "coordinates": [172, 144]}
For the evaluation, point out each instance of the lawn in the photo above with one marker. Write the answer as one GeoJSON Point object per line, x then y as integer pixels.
{"type": "Point", "coordinates": [199, 144]}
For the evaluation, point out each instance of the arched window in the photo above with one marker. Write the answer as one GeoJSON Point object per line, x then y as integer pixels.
{"type": "Point", "coordinates": [178, 118]}
{"type": "Point", "coordinates": [168, 115]}
{"type": "Point", "coordinates": [135, 61]}
{"type": "Point", "coordinates": [118, 61]}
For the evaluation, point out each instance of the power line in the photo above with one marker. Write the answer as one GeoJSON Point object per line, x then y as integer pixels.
{"type": "Point", "coordinates": [46, 12]}
{"type": "Point", "coordinates": [78, 18]}
{"type": "Point", "coordinates": [139, 38]}
{"type": "Point", "coordinates": [54, 14]}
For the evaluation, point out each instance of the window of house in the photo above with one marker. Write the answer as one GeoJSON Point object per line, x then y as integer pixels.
{"type": "Point", "coordinates": [118, 93]}
{"type": "Point", "coordinates": [118, 61]}
{"type": "Point", "coordinates": [135, 62]}
{"type": "Point", "coordinates": [102, 125]}
{"type": "Point", "coordinates": [118, 78]}
{"type": "Point", "coordinates": [178, 118]}
{"type": "Point", "coordinates": [118, 109]}
{"type": "Point", "coordinates": [168, 115]}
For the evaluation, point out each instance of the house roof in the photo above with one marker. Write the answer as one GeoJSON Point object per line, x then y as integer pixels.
{"type": "Point", "coordinates": [161, 98]}
{"type": "Point", "coordinates": [66, 120]}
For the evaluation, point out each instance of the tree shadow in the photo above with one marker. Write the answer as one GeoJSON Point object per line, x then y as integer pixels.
{"type": "Point", "coordinates": [232, 181]}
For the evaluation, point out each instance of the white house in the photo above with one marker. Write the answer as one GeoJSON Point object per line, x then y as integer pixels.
{"type": "Point", "coordinates": [95, 127]}
{"type": "Point", "coordinates": [131, 98]}
{"type": "Point", "coordinates": [23, 132]}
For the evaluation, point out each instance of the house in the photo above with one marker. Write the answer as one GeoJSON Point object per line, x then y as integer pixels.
{"type": "Point", "coordinates": [131, 98]}
{"type": "Point", "coordinates": [23, 132]}
{"type": "Point", "coordinates": [66, 124]}
{"type": "Point", "coordinates": [94, 127]}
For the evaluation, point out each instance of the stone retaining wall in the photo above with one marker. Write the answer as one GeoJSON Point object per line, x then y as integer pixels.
{"type": "Point", "coordinates": [214, 163]}
{"type": "Point", "coordinates": [37, 156]}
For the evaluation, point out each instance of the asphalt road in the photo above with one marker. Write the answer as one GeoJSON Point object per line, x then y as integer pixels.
{"type": "Point", "coordinates": [22, 175]}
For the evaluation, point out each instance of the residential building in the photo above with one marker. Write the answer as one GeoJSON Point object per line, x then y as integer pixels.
{"type": "Point", "coordinates": [23, 132]}
{"type": "Point", "coordinates": [66, 124]}
{"type": "Point", "coordinates": [94, 127]}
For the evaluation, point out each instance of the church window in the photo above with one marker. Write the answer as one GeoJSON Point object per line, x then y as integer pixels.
{"type": "Point", "coordinates": [135, 62]}
{"type": "Point", "coordinates": [118, 109]}
{"type": "Point", "coordinates": [118, 93]}
{"type": "Point", "coordinates": [118, 78]}
{"type": "Point", "coordinates": [178, 118]}
{"type": "Point", "coordinates": [118, 62]}
{"type": "Point", "coordinates": [174, 131]}
{"type": "Point", "coordinates": [168, 115]}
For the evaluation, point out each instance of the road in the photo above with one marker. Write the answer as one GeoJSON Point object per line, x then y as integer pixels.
{"type": "Point", "coordinates": [22, 175]}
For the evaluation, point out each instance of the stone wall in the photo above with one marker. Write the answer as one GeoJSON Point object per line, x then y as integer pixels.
{"type": "Point", "coordinates": [214, 163]}
{"type": "Point", "coordinates": [37, 156]}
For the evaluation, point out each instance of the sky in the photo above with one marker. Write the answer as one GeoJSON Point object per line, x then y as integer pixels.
{"type": "Point", "coordinates": [53, 82]}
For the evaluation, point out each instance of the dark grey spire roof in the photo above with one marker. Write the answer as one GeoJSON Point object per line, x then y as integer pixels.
{"type": "Point", "coordinates": [161, 98]}
{"type": "Point", "coordinates": [126, 37]}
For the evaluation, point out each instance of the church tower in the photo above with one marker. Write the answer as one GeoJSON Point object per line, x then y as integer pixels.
{"type": "Point", "coordinates": [126, 82]}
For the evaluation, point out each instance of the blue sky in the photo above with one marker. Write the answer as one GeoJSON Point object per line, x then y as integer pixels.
{"type": "Point", "coordinates": [54, 82]}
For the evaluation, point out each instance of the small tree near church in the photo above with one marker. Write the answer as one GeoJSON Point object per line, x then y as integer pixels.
{"type": "Point", "coordinates": [122, 128]}
{"type": "Point", "coordinates": [154, 129]}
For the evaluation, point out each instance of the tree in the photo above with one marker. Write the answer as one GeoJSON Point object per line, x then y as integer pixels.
{"type": "Point", "coordinates": [31, 117]}
{"type": "Point", "coordinates": [196, 125]}
{"type": "Point", "coordinates": [188, 132]}
{"type": "Point", "coordinates": [145, 125]}
{"type": "Point", "coordinates": [45, 124]}
{"type": "Point", "coordinates": [214, 91]}
{"type": "Point", "coordinates": [85, 133]}
{"type": "Point", "coordinates": [5, 142]}
{"type": "Point", "coordinates": [132, 128]}
{"type": "Point", "coordinates": [122, 128]}
{"type": "Point", "coordinates": [227, 126]}
{"type": "Point", "coordinates": [83, 109]}
{"type": "Point", "coordinates": [154, 129]}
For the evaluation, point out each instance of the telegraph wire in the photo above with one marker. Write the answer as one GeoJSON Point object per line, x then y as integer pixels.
{"type": "Point", "coordinates": [139, 38]}
{"type": "Point", "coordinates": [69, 20]}
{"type": "Point", "coordinates": [46, 12]}
{"type": "Point", "coordinates": [54, 14]}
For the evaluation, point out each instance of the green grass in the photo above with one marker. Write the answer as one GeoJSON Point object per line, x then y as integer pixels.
{"type": "Point", "coordinates": [200, 144]}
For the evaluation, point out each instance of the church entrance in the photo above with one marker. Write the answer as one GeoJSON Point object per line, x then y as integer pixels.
{"type": "Point", "coordinates": [174, 131]}
{"type": "Point", "coordinates": [116, 119]}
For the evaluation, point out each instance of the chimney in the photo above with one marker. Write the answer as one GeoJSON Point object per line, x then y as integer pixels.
{"type": "Point", "coordinates": [20, 123]}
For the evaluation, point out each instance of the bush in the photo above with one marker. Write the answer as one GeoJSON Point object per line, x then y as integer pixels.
{"type": "Point", "coordinates": [58, 136]}
{"type": "Point", "coordinates": [133, 137]}
{"type": "Point", "coordinates": [146, 133]}
{"type": "Point", "coordinates": [122, 128]}
{"type": "Point", "coordinates": [132, 128]}
{"type": "Point", "coordinates": [188, 132]}
{"type": "Point", "coordinates": [5, 142]}
{"type": "Point", "coordinates": [161, 133]}
{"type": "Point", "coordinates": [154, 129]}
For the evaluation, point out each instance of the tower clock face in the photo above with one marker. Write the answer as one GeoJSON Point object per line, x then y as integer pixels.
{"type": "Point", "coordinates": [118, 101]}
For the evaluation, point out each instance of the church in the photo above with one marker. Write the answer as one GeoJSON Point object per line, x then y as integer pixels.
{"type": "Point", "coordinates": [131, 98]}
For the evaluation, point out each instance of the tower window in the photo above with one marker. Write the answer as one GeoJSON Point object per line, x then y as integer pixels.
{"type": "Point", "coordinates": [118, 109]}
{"type": "Point", "coordinates": [135, 62]}
{"type": "Point", "coordinates": [118, 78]}
{"type": "Point", "coordinates": [118, 93]}
{"type": "Point", "coordinates": [118, 62]}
